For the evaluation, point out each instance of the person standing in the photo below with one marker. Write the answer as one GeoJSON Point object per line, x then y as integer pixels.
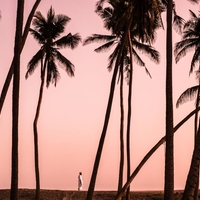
{"type": "Point", "coordinates": [80, 181]}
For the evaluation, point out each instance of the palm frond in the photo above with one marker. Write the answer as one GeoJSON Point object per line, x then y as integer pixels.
{"type": "Point", "coordinates": [137, 59]}
{"type": "Point", "coordinates": [37, 36]}
{"type": "Point", "coordinates": [178, 23]}
{"type": "Point", "coordinates": [33, 63]}
{"type": "Point", "coordinates": [52, 73]}
{"type": "Point", "coordinates": [182, 47]}
{"type": "Point", "coordinates": [105, 47]}
{"type": "Point", "coordinates": [69, 40]}
{"type": "Point", "coordinates": [194, 1]}
{"type": "Point", "coordinates": [68, 66]}
{"type": "Point", "coordinates": [113, 56]}
{"type": "Point", "coordinates": [50, 15]}
{"type": "Point", "coordinates": [98, 38]}
{"type": "Point", "coordinates": [147, 50]}
{"type": "Point", "coordinates": [38, 20]}
{"type": "Point", "coordinates": [59, 23]}
{"type": "Point", "coordinates": [195, 59]}
{"type": "Point", "coordinates": [187, 95]}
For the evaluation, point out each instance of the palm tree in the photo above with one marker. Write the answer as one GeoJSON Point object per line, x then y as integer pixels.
{"type": "Point", "coordinates": [15, 99]}
{"type": "Point", "coordinates": [46, 31]}
{"type": "Point", "coordinates": [114, 18]}
{"type": "Point", "coordinates": [10, 72]}
{"type": "Point", "coordinates": [190, 40]}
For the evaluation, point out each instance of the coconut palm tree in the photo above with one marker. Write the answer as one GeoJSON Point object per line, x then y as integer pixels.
{"type": "Point", "coordinates": [169, 105]}
{"type": "Point", "coordinates": [10, 72]}
{"type": "Point", "coordinates": [115, 13]}
{"type": "Point", "coordinates": [190, 40]}
{"type": "Point", "coordinates": [15, 99]}
{"type": "Point", "coordinates": [46, 31]}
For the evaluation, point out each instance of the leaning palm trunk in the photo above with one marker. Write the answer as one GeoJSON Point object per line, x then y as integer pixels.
{"type": "Point", "coordinates": [149, 154]}
{"type": "Point", "coordinates": [15, 100]}
{"type": "Point", "coordinates": [36, 151]}
{"type": "Point", "coordinates": [103, 134]}
{"type": "Point", "coordinates": [10, 72]}
{"type": "Point", "coordinates": [169, 154]}
{"type": "Point", "coordinates": [106, 121]}
{"type": "Point", "coordinates": [192, 179]}
{"type": "Point", "coordinates": [129, 116]}
{"type": "Point", "coordinates": [121, 167]}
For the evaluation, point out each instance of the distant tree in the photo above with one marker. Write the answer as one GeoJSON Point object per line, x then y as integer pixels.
{"type": "Point", "coordinates": [15, 99]}
{"type": "Point", "coordinates": [46, 31]}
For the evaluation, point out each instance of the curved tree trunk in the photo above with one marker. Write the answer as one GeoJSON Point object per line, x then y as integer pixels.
{"type": "Point", "coordinates": [169, 153]}
{"type": "Point", "coordinates": [10, 72]}
{"type": "Point", "coordinates": [129, 116]}
{"type": "Point", "coordinates": [192, 179]}
{"type": "Point", "coordinates": [102, 138]}
{"type": "Point", "coordinates": [150, 153]}
{"type": "Point", "coordinates": [15, 99]}
{"type": "Point", "coordinates": [121, 167]}
{"type": "Point", "coordinates": [106, 121]}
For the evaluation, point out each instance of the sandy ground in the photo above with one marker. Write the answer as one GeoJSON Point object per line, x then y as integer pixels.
{"type": "Point", "coordinates": [28, 194]}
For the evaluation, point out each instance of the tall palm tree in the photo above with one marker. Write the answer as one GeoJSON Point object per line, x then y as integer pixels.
{"type": "Point", "coordinates": [169, 176]}
{"type": "Point", "coordinates": [118, 17]}
{"type": "Point", "coordinates": [10, 72]}
{"type": "Point", "coordinates": [190, 40]}
{"type": "Point", "coordinates": [46, 31]}
{"type": "Point", "coordinates": [15, 100]}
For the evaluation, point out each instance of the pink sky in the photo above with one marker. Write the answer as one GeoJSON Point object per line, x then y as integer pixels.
{"type": "Point", "coordinates": [72, 113]}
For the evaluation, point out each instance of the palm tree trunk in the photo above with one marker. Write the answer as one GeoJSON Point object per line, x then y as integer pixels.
{"type": "Point", "coordinates": [121, 167]}
{"type": "Point", "coordinates": [129, 116]}
{"type": "Point", "coordinates": [192, 179]}
{"type": "Point", "coordinates": [149, 154]}
{"type": "Point", "coordinates": [195, 135]}
{"type": "Point", "coordinates": [36, 151]}
{"type": "Point", "coordinates": [106, 121]}
{"type": "Point", "coordinates": [169, 154]}
{"type": "Point", "coordinates": [10, 72]}
{"type": "Point", "coordinates": [15, 98]}
{"type": "Point", "coordinates": [103, 134]}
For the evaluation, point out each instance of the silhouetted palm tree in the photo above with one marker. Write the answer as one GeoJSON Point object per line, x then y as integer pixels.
{"type": "Point", "coordinates": [46, 31]}
{"type": "Point", "coordinates": [15, 99]}
{"type": "Point", "coordinates": [118, 18]}
{"type": "Point", "coordinates": [190, 40]}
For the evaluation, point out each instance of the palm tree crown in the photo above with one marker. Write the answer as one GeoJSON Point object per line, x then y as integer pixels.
{"type": "Point", "coordinates": [46, 31]}
{"type": "Point", "coordinates": [190, 40]}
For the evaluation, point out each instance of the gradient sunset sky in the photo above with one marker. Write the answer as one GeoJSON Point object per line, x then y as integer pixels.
{"type": "Point", "coordinates": [72, 113]}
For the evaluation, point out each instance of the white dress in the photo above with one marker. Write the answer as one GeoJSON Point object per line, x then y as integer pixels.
{"type": "Point", "coordinates": [80, 182]}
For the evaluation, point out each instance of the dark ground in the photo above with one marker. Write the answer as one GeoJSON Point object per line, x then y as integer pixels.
{"type": "Point", "coordinates": [28, 194]}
